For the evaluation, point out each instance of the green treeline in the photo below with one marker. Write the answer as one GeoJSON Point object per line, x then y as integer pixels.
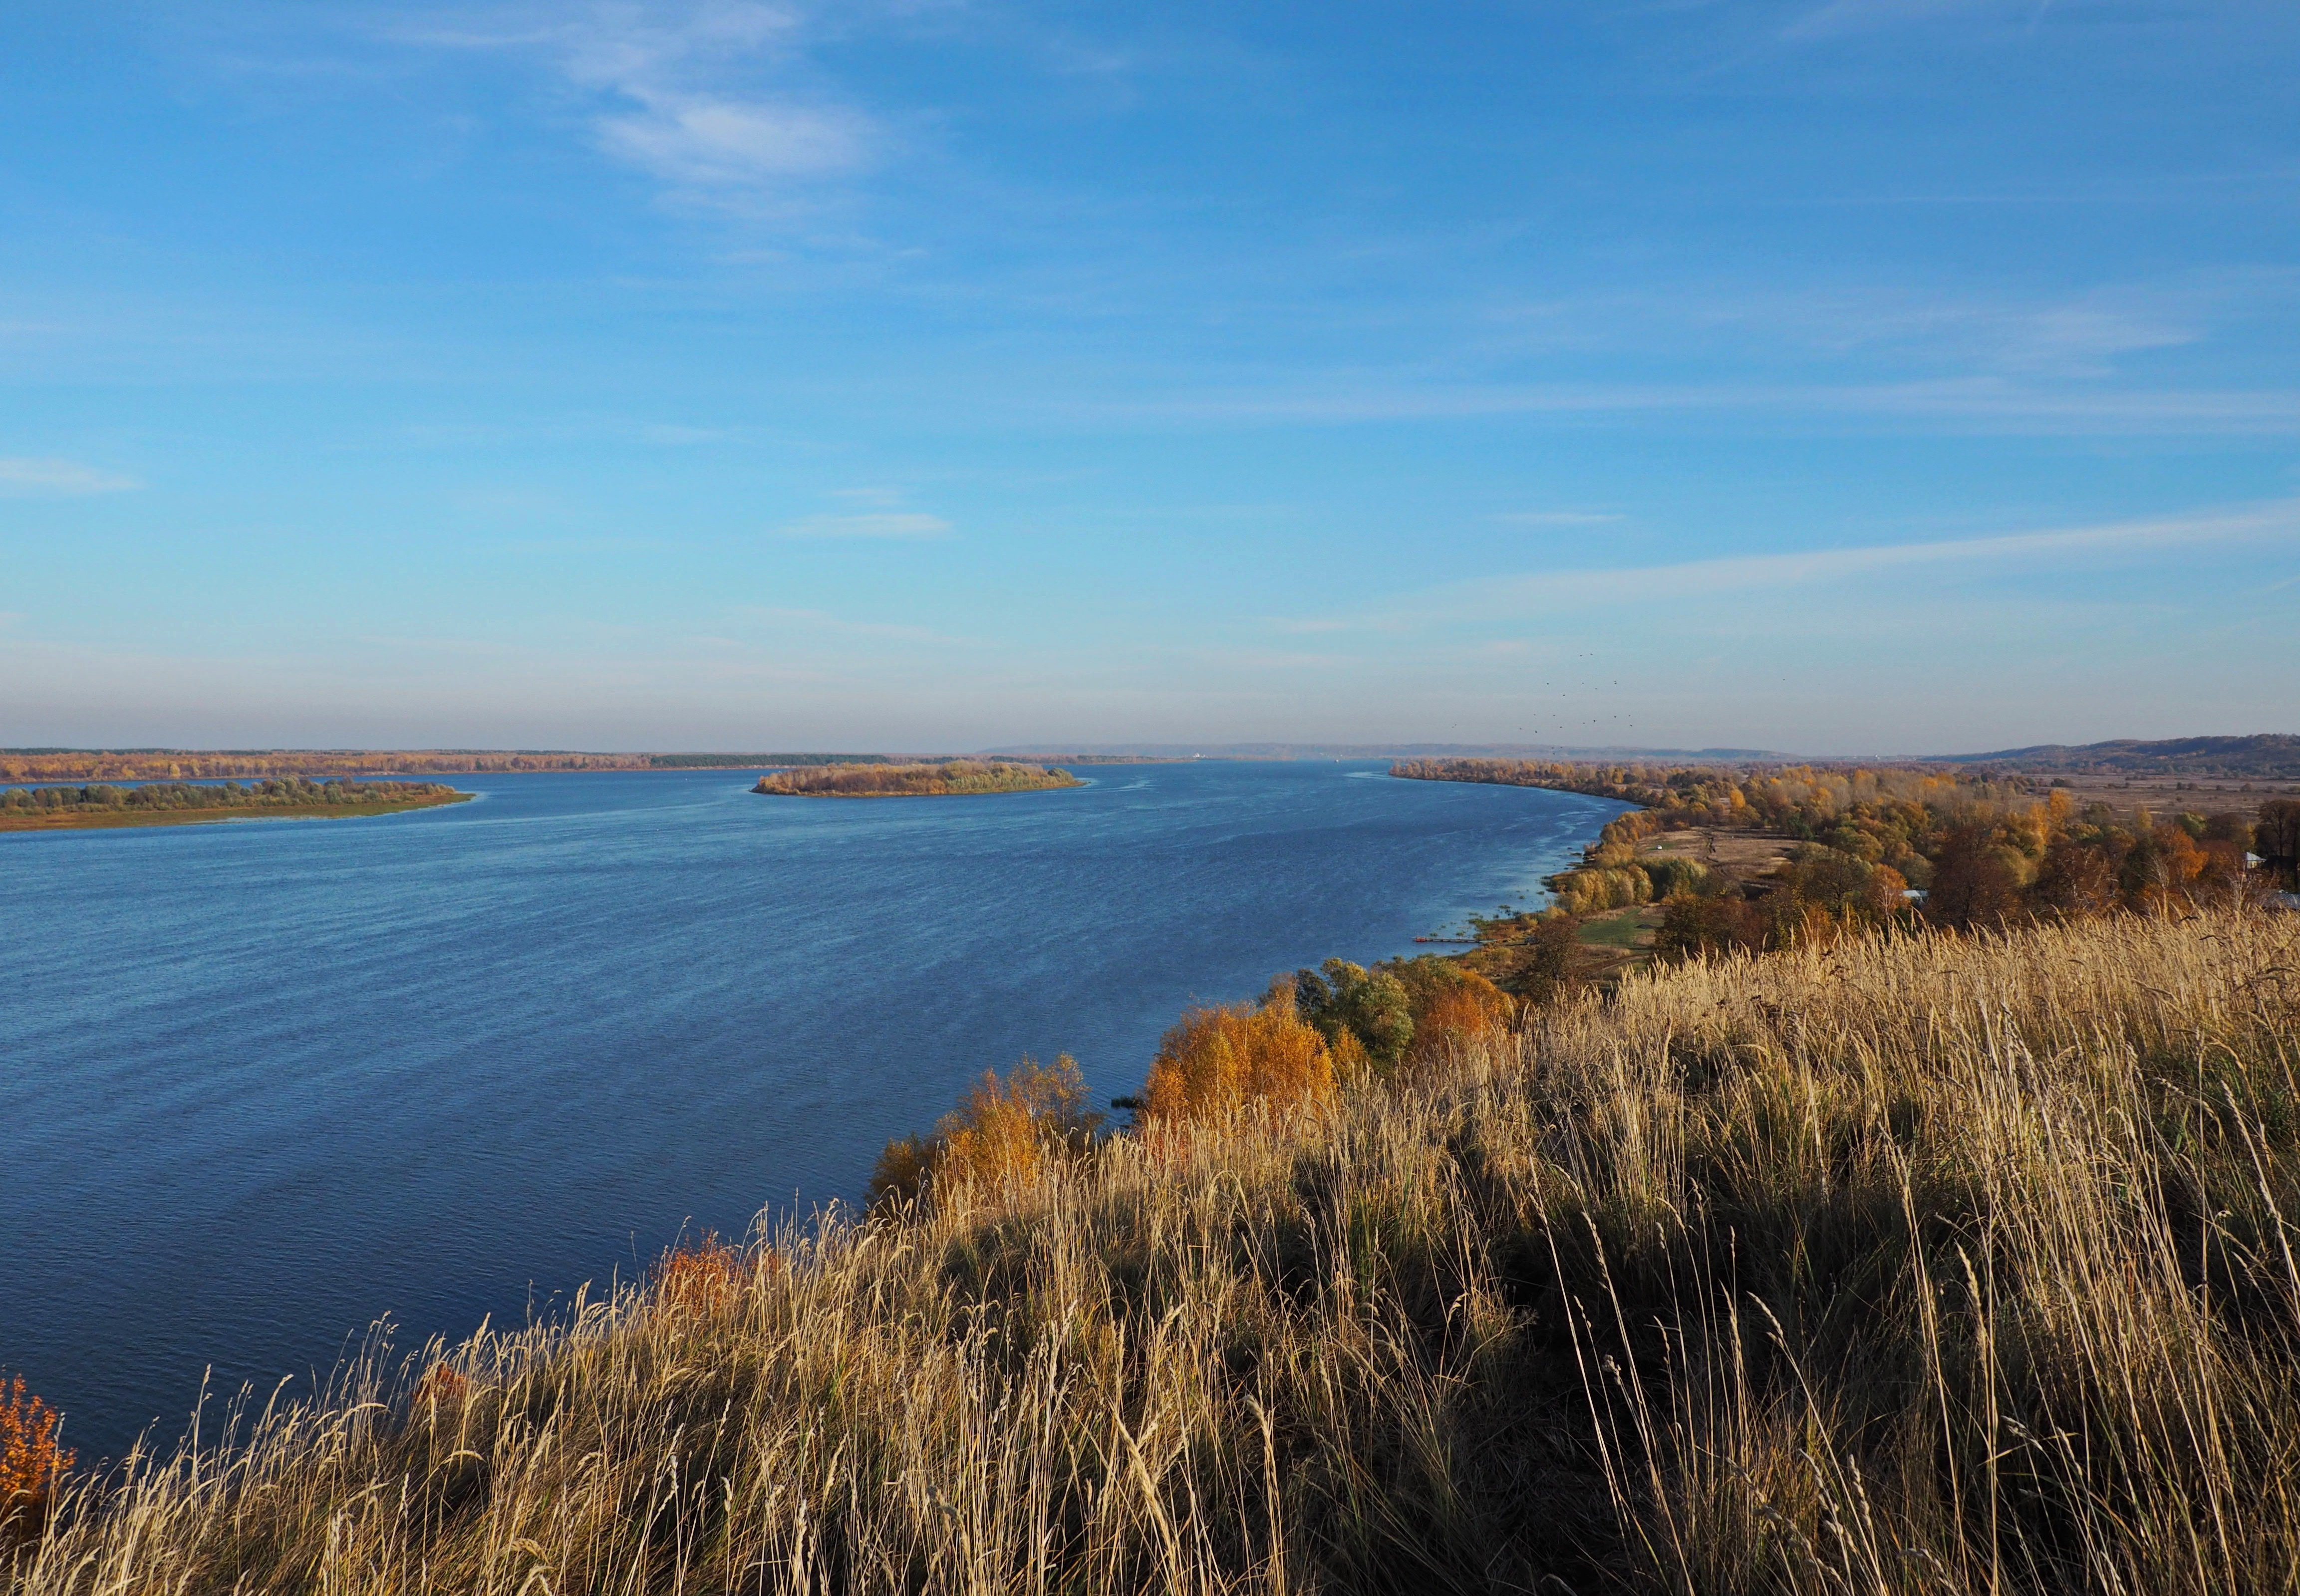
{"type": "Point", "coordinates": [158, 797]}
{"type": "Point", "coordinates": [1875, 847]}
{"type": "Point", "coordinates": [953, 778]}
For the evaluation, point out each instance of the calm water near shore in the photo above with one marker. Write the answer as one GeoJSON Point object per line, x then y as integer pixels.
{"type": "Point", "coordinates": [262, 1084]}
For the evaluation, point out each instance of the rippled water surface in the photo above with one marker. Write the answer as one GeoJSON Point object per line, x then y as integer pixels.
{"type": "Point", "coordinates": [264, 1083]}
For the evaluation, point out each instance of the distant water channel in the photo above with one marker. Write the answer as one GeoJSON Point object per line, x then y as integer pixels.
{"type": "Point", "coordinates": [262, 1084]}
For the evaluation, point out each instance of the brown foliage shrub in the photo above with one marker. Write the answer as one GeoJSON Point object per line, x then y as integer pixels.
{"type": "Point", "coordinates": [900, 1173]}
{"type": "Point", "coordinates": [703, 1276]}
{"type": "Point", "coordinates": [1003, 1129]}
{"type": "Point", "coordinates": [30, 1461]}
{"type": "Point", "coordinates": [1974, 884]}
{"type": "Point", "coordinates": [1545, 966]}
{"type": "Point", "coordinates": [1454, 1018]}
{"type": "Point", "coordinates": [2078, 879]}
{"type": "Point", "coordinates": [1692, 926]}
{"type": "Point", "coordinates": [442, 1387]}
{"type": "Point", "coordinates": [1219, 1059]}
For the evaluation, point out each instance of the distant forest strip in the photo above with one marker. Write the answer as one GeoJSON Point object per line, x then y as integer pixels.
{"type": "Point", "coordinates": [1875, 848]}
{"type": "Point", "coordinates": [191, 764]}
{"type": "Point", "coordinates": [175, 803]}
{"type": "Point", "coordinates": [956, 778]}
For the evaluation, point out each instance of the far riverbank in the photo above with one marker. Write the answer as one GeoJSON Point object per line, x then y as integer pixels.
{"type": "Point", "coordinates": [188, 804]}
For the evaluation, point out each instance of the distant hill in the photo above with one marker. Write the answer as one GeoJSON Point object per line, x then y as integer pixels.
{"type": "Point", "coordinates": [2271, 756]}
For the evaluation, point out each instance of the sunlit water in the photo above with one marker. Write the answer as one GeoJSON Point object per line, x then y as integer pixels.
{"type": "Point", "coordinates": [262, 1084]}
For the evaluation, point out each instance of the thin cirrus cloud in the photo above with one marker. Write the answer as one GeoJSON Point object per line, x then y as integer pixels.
{"type": "Point", "coordinates": [1839, 17]}
{"type": "Point", "coordinates": [695, 94]}
{"type": "Point", "coordinates": [869, 524]}
{"type": "Point", "coordinates": [1752, 575]}
{"type": "Point", "coordinates": [1981, 404]}
{"type": "Point", "coordinates": [59, 479]}
{"type": "Point", "coordinates": [1745, 573]}
{"type": "Point", "coordinates": [695, 142]}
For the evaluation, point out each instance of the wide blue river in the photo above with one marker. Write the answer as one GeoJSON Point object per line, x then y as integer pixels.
{"type": "Point", "coordinates": [262, 1084]}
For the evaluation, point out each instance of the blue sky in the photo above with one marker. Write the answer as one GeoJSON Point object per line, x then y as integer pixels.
{"type": "Point", "coordinates": [1839, 376]}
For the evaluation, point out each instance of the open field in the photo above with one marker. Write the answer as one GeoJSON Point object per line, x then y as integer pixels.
{"type": "Point", "coordinates": [2168, 794]}
{"type": "Point", "coordinates": [1929, 1264]}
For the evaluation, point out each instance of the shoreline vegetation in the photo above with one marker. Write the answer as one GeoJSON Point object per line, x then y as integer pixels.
{"type": "Point", "coordinates": [185, 803]}
{"type": "Point", "coordinates": [1720, 858]}
{"type": "Point", "coordinates": [1923, 1260]}
{"type": "Point", "coordinates": [951, 779]}
{"type": "Point", "coordinates": [193, 764]}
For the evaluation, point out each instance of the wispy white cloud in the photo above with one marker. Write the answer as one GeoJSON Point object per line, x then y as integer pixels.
{"type": "Point", "coordinates": [1979, 404]}
{"type": "Point", "coordinates": [706, 96]}
{"type": "Point", "coordinates": [1752, 579]}
{"type": "Point", "coordinates": [1751, 573]}
{"type": "Point", "coordinates": [62, 478]}
{"type": "Point", "coordinates": [696, 142]}
{"type": "Point", "coordinates": [2079, 336]}
{"type": "Point", "coordinates": [877, 523]}
{"type": "Point", "coordinates": [1835, 18]}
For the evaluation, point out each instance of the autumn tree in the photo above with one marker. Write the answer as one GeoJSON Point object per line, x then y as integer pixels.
{"type": "Point", "coordinates": [1373, 1006]}
{"type": "Point", "coordinates": [2078, 879]}
{"type": "Point", "coordinates": [1692, 926]}
{"type": "Point", "coordinates": [1218, 1060]}
{"type": "Point", "coordinates": [1450, 1004]}
{"type": "Point", "coordinates": [1003, 1128]}
{"type": "Point", "coordinates": [2276, 838]}
{"type": "Point", "coordinates": [1974, 884]}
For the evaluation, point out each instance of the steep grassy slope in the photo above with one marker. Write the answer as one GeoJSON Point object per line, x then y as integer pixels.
{"type": "Point", "coordinates": [1929, 1265]}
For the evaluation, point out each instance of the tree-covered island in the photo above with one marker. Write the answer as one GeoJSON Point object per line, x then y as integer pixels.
{"type": "Point", "coordinates": [953, 778]}
{"type": "Point", "coordinates": [184, 802]}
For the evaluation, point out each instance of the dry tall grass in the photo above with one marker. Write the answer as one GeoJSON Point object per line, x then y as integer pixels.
{"type": "Point", "coordinates": [1922, 1266]}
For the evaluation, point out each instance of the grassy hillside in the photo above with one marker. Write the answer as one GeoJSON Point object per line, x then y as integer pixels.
{"type": "Point", "coordinates": [1930, 1264]}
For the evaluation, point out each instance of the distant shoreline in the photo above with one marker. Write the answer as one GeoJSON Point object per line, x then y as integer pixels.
{"type": "Point", "coordinates": [959, 778]}
{"type": "Point", "coordinates": [117, 810]}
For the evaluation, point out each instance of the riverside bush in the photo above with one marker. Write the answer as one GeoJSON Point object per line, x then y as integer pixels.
{"type": "Point", "coordinates": [30, 1461]}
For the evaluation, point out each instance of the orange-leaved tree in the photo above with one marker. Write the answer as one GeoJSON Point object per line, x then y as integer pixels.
{"type": "Point", "coordinates": [1222, 1058]}
{"type": "Point", "coordinates": [1004, 1128]}
{"type": "Point", "coordinates": [1456, 1016]}
{"type": "Point", "coordinates": [30, 1461]}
